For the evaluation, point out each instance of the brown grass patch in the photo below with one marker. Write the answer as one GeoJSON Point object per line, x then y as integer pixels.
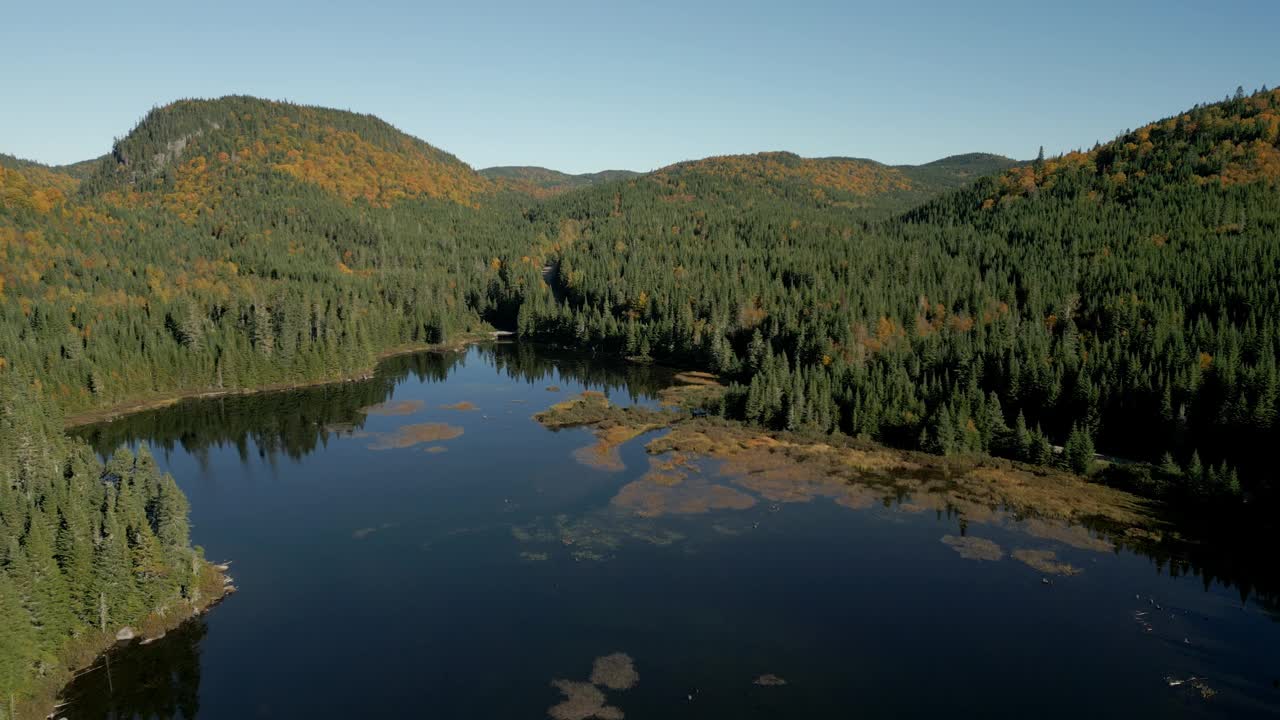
{"type": "Point", "coordinates": [600, 457]}
{"type": "Point", "coordinates": [612, 426]}
{"type": "Point", "coordinates": [665, 479]}
{"type": "Point", "coordinates": [603, 454]}
{"type": "Point", "coordinates": [977, 512]}
{"type": "Point", "coordinates": [1046, 561]}
{"type": "Point", "coordinates": [974, 548]}
{"type": "Point", "coordinates": [463, 405]}
{"type": "Point", "coordinates": [410, 435]}
{"type": "Point", "coordinates": [793, 467]}
{"type": "Point", "coordinates": [695, 377]}
{"type": "Point", "coordinates": [615, 671]}
{"type": "Point", "coordinates": [648, 498]}
{"type": "Point", "coordinates": [392, 409]}
{"type": "Point", "coordinates": [925, 502]}
{"type": "Point", "coordinates": [1073, 535]}
{"type": "Point", "coordinates": [585, 409]}
{"type": "Point", "coordinates": [582, 701]}
{"type": "Point", "coordinates": [781, 470]}
{"type": "Point", "coordinates": [693, 394]}
{"type": "Point", "coordinates": [1051, 494]}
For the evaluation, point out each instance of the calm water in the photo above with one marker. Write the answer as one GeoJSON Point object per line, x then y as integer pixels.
{"type": "Point", "coordinates": [457, 577]}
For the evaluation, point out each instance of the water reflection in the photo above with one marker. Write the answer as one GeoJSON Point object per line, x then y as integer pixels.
{"type": "Point", "coordinates": [157, 680]}
{"type": "Point", "coordinates": [298, 422]}
{"type": "Point", "coordinates": [389, 552]}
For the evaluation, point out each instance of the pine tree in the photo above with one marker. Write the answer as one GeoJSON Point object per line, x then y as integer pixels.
{"type": "Point", "coordinates": [1021, 439]}
{"type": "Point", "coordinates": [1078, 452]}
{"type": "Point", "coordinates": [17, 638]}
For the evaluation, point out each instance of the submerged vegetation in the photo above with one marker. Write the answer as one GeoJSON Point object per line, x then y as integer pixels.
{"type": "Point", "coordinates": [974, 548]}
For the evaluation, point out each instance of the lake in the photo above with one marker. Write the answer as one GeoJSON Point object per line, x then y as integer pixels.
{"type": "Point", "coordinates": [440, 554]}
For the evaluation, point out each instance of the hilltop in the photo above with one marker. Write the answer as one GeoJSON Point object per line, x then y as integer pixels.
{"type": "Point", "coordinates": [854, 183]}
{"type": "Point", "coordinates": [957, 170]}
{"type": "Point", "coordinates": [1230, 143]}
{"type": "Point", "coordinates": [190, 150]}
{"type": "Point", "coordinates": [835, 181]}
{"type": "Point", "coordinates": [190, 155]}
{"type": "Point", "coordinates": [541, 183]}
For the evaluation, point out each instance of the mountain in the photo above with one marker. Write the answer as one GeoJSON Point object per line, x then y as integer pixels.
{"type": "Point", "coordinates": [541, 183]}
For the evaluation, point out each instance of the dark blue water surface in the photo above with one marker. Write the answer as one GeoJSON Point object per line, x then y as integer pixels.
{"type": "Point", "coordinates": [379, 578]}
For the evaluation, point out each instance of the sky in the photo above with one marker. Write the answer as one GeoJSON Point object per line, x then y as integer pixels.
{"type": "Point", "coordinates": [586, 86]}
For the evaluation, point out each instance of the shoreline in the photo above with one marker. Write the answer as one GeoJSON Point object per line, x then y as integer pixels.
{"type": "Point", "coordinates": [133, 407]}
{"type": "Point", "coordinates": [48, 698]}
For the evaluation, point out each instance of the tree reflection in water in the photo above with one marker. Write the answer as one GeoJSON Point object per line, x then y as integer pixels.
{"type": "Point", "coordinates": [158, 680]}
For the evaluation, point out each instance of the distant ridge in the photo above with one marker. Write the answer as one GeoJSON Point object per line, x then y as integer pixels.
{"type": "Point", "coordinates": [541, 183]}
{"type": "Point", "coordinates": [857, 183]}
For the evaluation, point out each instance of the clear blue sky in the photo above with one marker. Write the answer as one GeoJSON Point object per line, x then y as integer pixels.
{"type": "Point", "coordinates": [585, 86]}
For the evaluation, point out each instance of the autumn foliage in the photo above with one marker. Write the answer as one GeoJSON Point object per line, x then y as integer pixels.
{"type": "Point", "coordinates": [186, 156]}
{"type": "Point", "coordinates": [27, 186]}
{"type": "Point", "coordinates": [1234, 142]}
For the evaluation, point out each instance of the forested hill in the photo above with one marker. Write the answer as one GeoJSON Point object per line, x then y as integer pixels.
{"type": "Point", "coordinates": [193, 149]}
{"type": "Point", "coordinates": [541, 183]}
{"type": "Point", "coordinates": [239, 242]}
{"type": "Point", "coordinates": [873, 187]}
{"type": "Point", "coordinates": [956, 171]}
{"type": "Point", "coordinates": [853, 183]}
{"type": "Point", "coordinates": [1123, 298]}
